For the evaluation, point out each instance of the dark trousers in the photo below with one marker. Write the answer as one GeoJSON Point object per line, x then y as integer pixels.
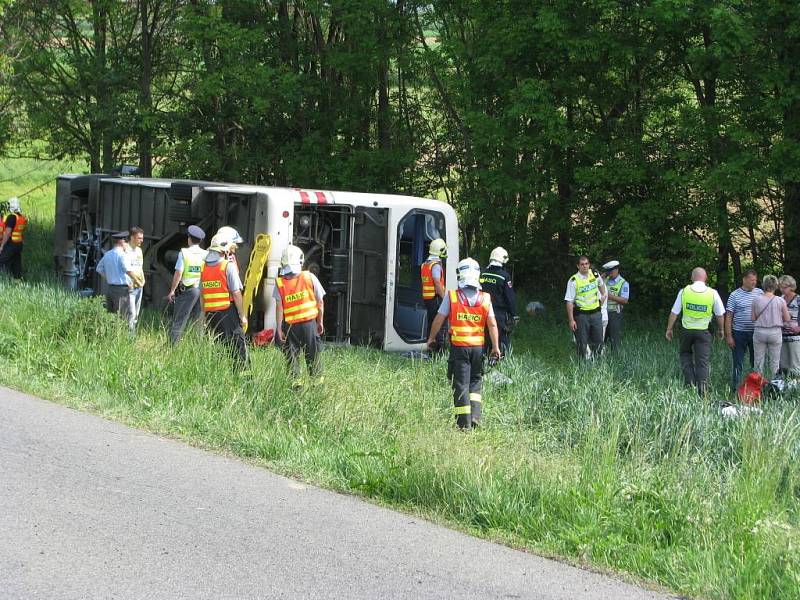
{"type": "Point", "coordinates": [465, 371]}
{"type": "Point", "coordinates": [504, 321]}
{"type": "Point", "coordinates": [226, 327]}
{"type": "Point", "coordinates": [186, 306]}
{"type": "Point", "coordinates": [589, 332]}
{"type": "Point", "coordinates": [614, 330]}
{"type": "Point", "coordinates": [302, 337]}
{"type": "Point", "coordinates": [118, 300]}
{"type": "Point", "coordinates": [11, 259]}
{"type": "Point", "coordinates": [742, 342]}
{"type": "Point", "coordinates": [695, 352]}
{"type": "Point", "coordinates": [432, 308]}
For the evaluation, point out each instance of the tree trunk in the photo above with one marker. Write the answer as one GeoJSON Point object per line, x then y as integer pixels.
{"type": "Point", "coordinates": [102, 118]}
{"type": "Point", "coordinates": [145, 94]}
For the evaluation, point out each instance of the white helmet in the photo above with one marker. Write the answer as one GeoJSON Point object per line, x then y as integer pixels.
{"type": "Point", "coordinates": [438, 248]}
{"type": "Point", "coordinates": [500, 255]}
{"type": "Point", "coordinates": [292, 259]}
{"type": "Point", "coordinates": [231, 234]}
{"type": "Point", "coordinates": [219, 243]}
{"type": "Point", "coordinates": [13, 204]}
{"type": "Point", "coordinates": [469, 273]}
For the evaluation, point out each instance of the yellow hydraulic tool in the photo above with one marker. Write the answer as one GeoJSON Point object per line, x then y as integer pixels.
{"type": "Point", "coordinates": [255, 271]}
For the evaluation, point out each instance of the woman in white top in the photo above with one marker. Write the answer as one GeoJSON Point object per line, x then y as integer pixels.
{"type": "Point", "coordinates": [769, 314]}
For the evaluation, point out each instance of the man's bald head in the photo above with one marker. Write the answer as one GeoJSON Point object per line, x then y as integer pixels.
{"type": "Point", "coordinates": [699, 274]}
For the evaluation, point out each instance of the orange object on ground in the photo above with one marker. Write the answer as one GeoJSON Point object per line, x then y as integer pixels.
{"type": "Point", "coordinates": [264, 337]}
{"type": "Point", "coordinates": [750, 390]}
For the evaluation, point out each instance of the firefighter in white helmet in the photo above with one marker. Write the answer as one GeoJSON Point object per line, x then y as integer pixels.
{"type": "Point", "coordinates": [221, 296]}
{"type": "Point", "coordinates": [234, 239]}
{"type": "Point", "coordinates": [469, 313]}
{"type": "Point", "coordinates": [299, 313]}
{"type": "Point", "coordinates": [496, 281]}
{"type": "Point", "coordinates": [432, 276]}
{"type": "Point", "coordinates": [12, 233]}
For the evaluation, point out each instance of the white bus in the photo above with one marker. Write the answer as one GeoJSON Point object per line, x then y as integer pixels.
{"type": "Point", "coordinates": [365, 248]}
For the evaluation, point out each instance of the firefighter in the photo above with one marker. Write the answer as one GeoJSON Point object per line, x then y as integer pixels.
{"type": "Point", "coordinates": [469, 312]}
{"type": "Point", "coordinates": [433, 284]}
{"type": "Point", "coordinates": [496, 282]}
{"type": "Point", "coordinates": [221, 297]}
{"type": "Point", "coordinates": [235, 240]}
{"type": "Point", "coordinates": [185, 289]}
{"type": "Point", "coordinates": [299, 311]}
{"type": "Point", "coordinates": [12, 236]}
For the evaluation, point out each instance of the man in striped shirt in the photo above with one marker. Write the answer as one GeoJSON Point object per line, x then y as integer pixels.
{"type": "Point", "coordinates": [739, 323]}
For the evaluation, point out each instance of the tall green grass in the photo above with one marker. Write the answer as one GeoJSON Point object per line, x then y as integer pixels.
{"type": "Point", "coordinates": [612, 464]}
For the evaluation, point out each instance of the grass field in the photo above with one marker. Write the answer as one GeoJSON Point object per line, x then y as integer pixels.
{"type": "Point", "coordinates": [612, 465]}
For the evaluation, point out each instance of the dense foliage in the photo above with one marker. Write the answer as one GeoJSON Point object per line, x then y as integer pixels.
{"type": "Point", "coordinates": [665, 133]}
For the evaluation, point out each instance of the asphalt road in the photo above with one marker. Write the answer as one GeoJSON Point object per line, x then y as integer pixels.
{"type": "Point", "coordinates": [93, 509]}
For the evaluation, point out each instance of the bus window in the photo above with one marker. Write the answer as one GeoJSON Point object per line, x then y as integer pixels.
{"type": "Point", "coordinates": [414, 234]}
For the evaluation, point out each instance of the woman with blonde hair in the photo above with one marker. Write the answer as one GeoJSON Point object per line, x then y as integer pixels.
{"type": "Point", "coordinates": [790, 348]}
{"type": "Point", "coordinates": [769, 315]}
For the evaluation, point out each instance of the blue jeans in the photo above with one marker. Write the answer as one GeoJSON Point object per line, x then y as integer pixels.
{"type": "Point", "coordinates": [743, 341]}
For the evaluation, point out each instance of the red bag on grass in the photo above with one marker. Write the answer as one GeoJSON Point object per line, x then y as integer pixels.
{"type": "Point", "coordinates": [750, 390]}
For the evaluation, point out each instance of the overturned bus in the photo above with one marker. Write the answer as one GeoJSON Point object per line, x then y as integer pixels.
{"type": "Point", "coordinates": [365, 248]}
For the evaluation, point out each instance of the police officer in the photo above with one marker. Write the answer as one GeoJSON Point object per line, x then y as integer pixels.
{"type": "Point", "coordinates": [299, 313]}
{"type": "Point", "coordinates": [433, 284]}
{"type": "Point", "coordinates": [221, 297]}
{"type": "Point", "coordinates": [12, 236]}
{"type": "Point", "coordinates": [618, 295]}
{"type": "Point", "coordinates": [469, 312]}
{"type": "Point", "coordinates": [185, 289]}
{"type": "Point", "coordinates": [585, 293]}
{"type": "Point", "coordinates": [697, 303]}
{"type": "Point", "coordinates": [496, 282]}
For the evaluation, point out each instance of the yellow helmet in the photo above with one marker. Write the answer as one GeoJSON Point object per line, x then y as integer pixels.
{"type": "Point", "coordinates": [438, 248]}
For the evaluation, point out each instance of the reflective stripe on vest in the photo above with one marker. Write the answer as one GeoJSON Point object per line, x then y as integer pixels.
{"type": "Point", "coordinates": [214, 292]}
{"type": "Point", "coordinates": [298, 298]}
{"type": "Point", "coordinates": [192, 266]}
{"type": "Point", "coordinates": [468, 323]}
{"type": "Point", "coordinates": [696, 308]}
{"type": "Point", "coordinates": [18, 233]}
{"type": "Point", "coordinates": [587, 294]}
{"type": "Point", "coordinates": [428, 284]}
{"type": "Point", "coordinates": [615, 289]}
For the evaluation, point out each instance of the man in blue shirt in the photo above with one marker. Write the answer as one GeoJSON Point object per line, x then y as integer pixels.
{"type": "Point", "coordinates": [114, 268]}
{"type": "Point", "coordinates": [739, 323]}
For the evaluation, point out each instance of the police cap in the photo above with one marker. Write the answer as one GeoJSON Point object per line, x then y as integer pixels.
{"type": "Point", "coordinates": [196, 232]}
{"type": "Point", "coordinates": [121, 235]}
{"type": "Point", "coordinates": [610, 265]}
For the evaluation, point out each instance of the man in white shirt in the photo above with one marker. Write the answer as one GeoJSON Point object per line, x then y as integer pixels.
{"type": "Point", "coordinates": [584, 296]}
{"type": "Point", "coordinates": [698, 304]}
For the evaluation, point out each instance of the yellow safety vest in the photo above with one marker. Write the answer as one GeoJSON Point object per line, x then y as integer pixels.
{"type": "Point", "coordinates": [615, 289]}
{"type": "Point", "coordinates": [697, 308]}
{"type": "Point", "coordinates": [587, 292]}
{"type": "Point", "coordinates": [192, 265]}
